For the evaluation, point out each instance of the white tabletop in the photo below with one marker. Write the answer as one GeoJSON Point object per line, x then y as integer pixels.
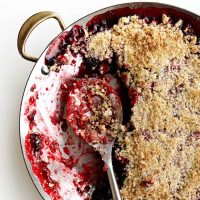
{"type": "Point", "coordinates": [15, 182]}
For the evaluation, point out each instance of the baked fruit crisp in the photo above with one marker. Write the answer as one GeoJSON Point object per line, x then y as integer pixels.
{"type": "Point", "coordinates": [154, 66]}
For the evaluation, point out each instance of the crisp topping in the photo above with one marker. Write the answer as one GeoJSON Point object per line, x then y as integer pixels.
{"type": "Point", "coordinates": [99, 45]}
{"type": "Point", "coordinates": [161, 167]}
{"type": "Point", "coordinates": [161, 63]}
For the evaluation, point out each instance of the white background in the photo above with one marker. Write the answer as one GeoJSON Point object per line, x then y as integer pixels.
{"type": "Point", "coordinates": [15, 183]}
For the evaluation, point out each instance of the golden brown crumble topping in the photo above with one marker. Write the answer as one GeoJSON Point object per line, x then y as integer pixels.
{"type": "Point", "coordinates": [161, 167]}
{"type": "Point", "coordinates": [163, 65]}
{"type": "Point", "coordinates": [99, 45]}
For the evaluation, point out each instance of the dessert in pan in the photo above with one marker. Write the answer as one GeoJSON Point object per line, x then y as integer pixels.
{"type": "Point", "coordinates": [153, 65]}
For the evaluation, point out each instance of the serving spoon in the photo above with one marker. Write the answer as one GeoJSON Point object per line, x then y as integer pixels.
{"type": "Point", "coordinates": [91, 104]}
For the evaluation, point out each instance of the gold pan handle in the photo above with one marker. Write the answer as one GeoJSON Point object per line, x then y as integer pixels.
{"type": "Point", "coordinates": [29, 25]}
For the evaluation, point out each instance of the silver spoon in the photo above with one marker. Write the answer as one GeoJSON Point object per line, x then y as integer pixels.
{"type": "Point", "coordinates": [106, 153]}
{"type": "Point", "coordinates": [77, 99]}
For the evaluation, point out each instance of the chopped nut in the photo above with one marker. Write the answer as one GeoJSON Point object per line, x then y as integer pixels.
{"type": "Point", "coordinates": [165, 19]}
{"type": "Point", "coordinates": [179, 23]}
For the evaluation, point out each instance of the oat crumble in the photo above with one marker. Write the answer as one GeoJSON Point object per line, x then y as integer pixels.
{"type": "Point", "coordinates": [163, 65]}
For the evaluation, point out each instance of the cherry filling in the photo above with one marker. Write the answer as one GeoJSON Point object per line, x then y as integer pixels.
{"type": "Point", "coordinates": [74, 38]}
{"type": "Point", "coordinates": [34, 143]}
{"type": "Point", "coordinates": [93, 110]}
{"type": "Point", "coordinates": [55, 48]}
{"type": "Point", "coordinates": [134, 95]}
{"type": "Point", "coordinates": [76, 35]}
{"type": "Point", "coordinates": [39, 145]}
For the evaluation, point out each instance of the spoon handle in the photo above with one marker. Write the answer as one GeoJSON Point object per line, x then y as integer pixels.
{"type": "Point", "coordinates": [113, 182]}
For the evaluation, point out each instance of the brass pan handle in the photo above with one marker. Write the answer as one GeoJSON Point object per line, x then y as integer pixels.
{"type": "Point", "coordinates": [29, 25]}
